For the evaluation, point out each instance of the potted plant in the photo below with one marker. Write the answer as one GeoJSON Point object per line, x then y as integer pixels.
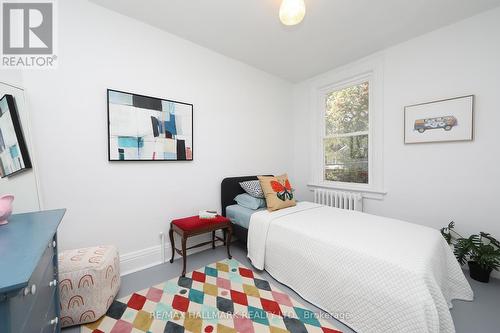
{"type": "Point", "coordinates": [481, 252]}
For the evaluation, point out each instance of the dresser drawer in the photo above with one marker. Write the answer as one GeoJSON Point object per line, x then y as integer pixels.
{"type": "Point", "coordinates": [21, 305]}
{"type": "Point", "coordinates": [44, 300]}
{"type": "Point", "coordinates": [51, 324]}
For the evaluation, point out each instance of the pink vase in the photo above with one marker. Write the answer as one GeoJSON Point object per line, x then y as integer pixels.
{"type": "Point", "coordinates": [5, 208]}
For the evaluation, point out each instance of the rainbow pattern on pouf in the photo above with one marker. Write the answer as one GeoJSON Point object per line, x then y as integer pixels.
{"type": "Point", "coordinates": [223, 297]}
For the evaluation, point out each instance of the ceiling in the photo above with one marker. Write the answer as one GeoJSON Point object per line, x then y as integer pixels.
{"type": "Point", "coordinates": [333, 33]}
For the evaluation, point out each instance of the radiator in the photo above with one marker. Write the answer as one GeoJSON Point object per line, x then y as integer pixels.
{"type": "Point", "coordinates": [339, 199]}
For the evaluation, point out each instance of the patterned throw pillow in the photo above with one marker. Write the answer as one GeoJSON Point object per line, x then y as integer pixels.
{"type": "Point", "coordinates": [278, 192]}
{"type": "Point", "coordinates": [253, 188]}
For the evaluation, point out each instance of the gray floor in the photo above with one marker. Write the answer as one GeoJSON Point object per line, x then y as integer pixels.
{"type": "Point", "coordinates": [480, 316]}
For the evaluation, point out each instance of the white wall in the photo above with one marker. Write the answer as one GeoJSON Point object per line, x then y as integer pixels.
{"type": "Point", "coordinates": [432, 184]}
{"type": "Point", "coordinates": [239, 117]}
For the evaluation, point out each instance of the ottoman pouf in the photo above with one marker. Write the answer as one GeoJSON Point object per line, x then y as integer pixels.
{"type": "Point", "coordinates": [89, 280]}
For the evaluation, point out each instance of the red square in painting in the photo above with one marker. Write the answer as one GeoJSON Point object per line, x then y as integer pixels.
{"type": "Point", "coordinates": [239, 298]}
{"type": "Point", "coordinates": [180, 303]}
{"type": "Point", "coordinates": [136, 301]}
{"type": "Point", "coordinates": [97, 331]}
{"type": "Point", "coordinates": [246, 272]}
{"type": "Point", "coordinates": [271, 307]}
{"type": "Point", "coordinates": [197, 276]}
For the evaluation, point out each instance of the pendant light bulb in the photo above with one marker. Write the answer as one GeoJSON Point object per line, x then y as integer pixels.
{"type": "Point", "coordinates": [292, 12]}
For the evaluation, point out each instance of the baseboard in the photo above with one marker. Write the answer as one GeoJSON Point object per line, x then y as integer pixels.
{"type": "Point", "coordinates": [138, 260]}
{"type": "Point", "coordinates": [132, 262]}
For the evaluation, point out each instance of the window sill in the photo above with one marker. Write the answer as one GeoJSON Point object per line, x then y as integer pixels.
{"type": "Point", "coordinates": [367, 193]}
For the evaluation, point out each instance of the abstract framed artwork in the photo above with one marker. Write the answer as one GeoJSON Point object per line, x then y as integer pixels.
{"type": "Point", "coordinates": [440, 121]}
{"type": "Point", "coordinates": [143, 128]}
{"type": "Point", "coordinates": [14, 156]}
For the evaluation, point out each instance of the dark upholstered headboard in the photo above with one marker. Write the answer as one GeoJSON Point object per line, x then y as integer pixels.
{"type": "Point", "coordinates": [230, 188]}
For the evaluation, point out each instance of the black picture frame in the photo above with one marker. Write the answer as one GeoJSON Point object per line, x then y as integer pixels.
{"type": "Point", "coordinates": [145, 97]}
{"type": "Point", "coordinates": [21, 142]}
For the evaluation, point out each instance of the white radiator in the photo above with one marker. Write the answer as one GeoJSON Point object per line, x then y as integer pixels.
{"type": "Point", "coordinates": [339, 199]}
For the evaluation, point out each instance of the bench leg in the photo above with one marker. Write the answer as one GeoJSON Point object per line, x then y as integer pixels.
{"type": "Point", "coordinates": [228, 242]}
{"type": "Point", "coordinates": [213, 239]}
{"type": "Point", "coordinates": [171, 235]}
{"type": "Point", "coordinates": [184, 256]}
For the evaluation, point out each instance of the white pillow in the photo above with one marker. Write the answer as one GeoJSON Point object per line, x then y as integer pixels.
{"type": "Point", "coordinates": [253, 188]}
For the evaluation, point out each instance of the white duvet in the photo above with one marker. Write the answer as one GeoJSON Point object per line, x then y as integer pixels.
{"type": "Point", "coordinates": [375, 274]}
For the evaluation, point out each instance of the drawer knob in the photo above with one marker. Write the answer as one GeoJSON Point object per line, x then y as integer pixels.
{"type": "Point", "coordinates": [54, 321]}
{"type": "Point", "coordinates": [53, 283]}
{"type": "Point", "coordinates": [30, 290]}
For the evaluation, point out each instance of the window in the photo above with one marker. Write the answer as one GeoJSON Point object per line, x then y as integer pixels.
{"type": "Point", "coordinates": [347, 145]}
{"type": "Point", "coordinates": [347, 134]}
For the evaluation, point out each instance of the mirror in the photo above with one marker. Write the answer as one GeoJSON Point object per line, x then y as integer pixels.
{"type": "Point", "coordinates": [23, 184]}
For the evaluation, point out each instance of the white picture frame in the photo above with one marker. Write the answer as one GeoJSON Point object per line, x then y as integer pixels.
{"type": "Point", "coordinates": [445, 120]}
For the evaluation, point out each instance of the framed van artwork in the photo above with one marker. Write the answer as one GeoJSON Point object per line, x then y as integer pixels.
{"type": "Point", "coordinates": [144, 128]}
{"type": "Point", "coordinates": [439, 121]}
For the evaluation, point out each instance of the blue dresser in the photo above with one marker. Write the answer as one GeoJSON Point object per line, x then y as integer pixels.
{"type": "Point", "coordinates": [29, 296]}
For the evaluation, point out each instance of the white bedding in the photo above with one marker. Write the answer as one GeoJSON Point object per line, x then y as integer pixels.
{"type": "Point", "coordinates": [373, 273]}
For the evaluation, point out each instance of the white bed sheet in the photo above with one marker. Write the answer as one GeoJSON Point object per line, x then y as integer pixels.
{"type": "Point", "coordinates": [373, 273]}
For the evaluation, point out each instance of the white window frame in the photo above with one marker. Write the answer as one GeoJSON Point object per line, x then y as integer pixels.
{"type": "Point", "coordinates": [367, 71]}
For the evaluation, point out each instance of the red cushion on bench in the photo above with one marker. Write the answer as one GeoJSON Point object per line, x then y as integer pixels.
{"type": "Point", "coordinates": [194, 222]}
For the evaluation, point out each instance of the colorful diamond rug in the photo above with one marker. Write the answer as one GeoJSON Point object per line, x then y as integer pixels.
{"type": "Point", "coordinates": [224, 297]}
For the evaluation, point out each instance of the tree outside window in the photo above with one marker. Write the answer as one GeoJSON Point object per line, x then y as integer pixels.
{"type": "Point", "coordinates": [346, 137]}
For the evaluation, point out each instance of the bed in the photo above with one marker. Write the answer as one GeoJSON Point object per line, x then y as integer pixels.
{"type": "Point", "coordinates": [348, 264]}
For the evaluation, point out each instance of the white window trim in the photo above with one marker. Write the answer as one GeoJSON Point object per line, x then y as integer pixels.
{"type": "Point", "coordinates": [368, 70]}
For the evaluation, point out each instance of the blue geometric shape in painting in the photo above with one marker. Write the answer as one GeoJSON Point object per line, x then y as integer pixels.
{"type": "Point", "coordinates": [14, 151]}
{"type": "Point", "coordinates": [170, 156]}
{"type": "Point", "coordinates": [116, 97]}
{"type": "Point", "coordinates": [130, 142]}
{"type": "Point", "coordinates": [168, 107]}
{"type": "Point", "coordinates": [170, 125]}
{"type": "Point", "coordinates": [121, 154]}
